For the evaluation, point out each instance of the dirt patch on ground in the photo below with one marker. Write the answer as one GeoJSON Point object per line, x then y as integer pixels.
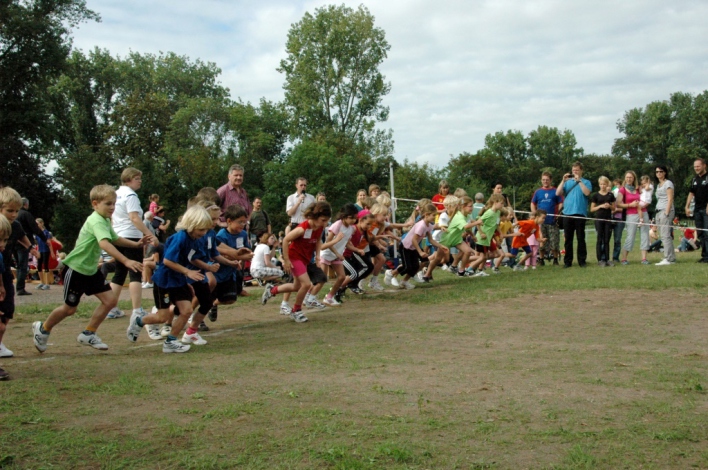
{"type": "Point", "coordinates": [581, 379]}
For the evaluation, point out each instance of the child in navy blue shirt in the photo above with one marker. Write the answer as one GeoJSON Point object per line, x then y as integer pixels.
{"type": "Point", "coordinates": [233, 243]}
{"type": "Point", "coordinates": [171, 281]}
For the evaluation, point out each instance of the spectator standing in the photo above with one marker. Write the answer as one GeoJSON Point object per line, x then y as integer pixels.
{"type": "Point", "coordinates": [698, 193]}
{"type": "Point", "coordinates": [298, 202]}
{"type": "Point", "coordinates": [545, 198]}
{"type": "Point", "coordinates": [665, 213]}
{"type": "Point", "coordinates": [233, 193]}
{"type": "Point", "coordinates": [259, 222]}
{"type": "Point", "coordinates": [575, 190]}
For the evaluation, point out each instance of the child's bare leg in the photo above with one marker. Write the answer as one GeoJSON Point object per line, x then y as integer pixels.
{"type": "Point", "coordinates": [185, 310]}
{"type": "Point", "coordinates": [57, 316]}
{"type": "Point", "coordinates": [339, 269]}
{"type": "Point", "coordinates": [304, 286]}
{"type": "Point", "coordinates": [108, 301]}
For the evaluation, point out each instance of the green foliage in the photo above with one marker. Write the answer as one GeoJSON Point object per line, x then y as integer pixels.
{"type": "Point", "coordinates": [332, 77]}
{"type": "Point", "coordinates": [34, 45]}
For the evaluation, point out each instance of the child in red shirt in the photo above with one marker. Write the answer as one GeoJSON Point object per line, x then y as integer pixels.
{"type": "Point", "coordinates": [526, 228]}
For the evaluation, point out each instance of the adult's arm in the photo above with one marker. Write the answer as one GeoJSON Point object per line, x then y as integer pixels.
{"type": "Point", "coordinates": [688, 204]}
{"type": "Point", "coordinates": [140, 225]}
{"type": "Point", "coordinates": [670, 196]}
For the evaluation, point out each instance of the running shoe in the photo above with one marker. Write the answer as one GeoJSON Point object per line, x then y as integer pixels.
{"type": "Point", "coordinates": [174, 347]}
{"type": "Point", "coordinates": [194, 338]}
{"type": "Point", "coordinates": [40, 339]}
{"type": "Point", "coordinates": [388, 276]}
{"type": "Point", "coordinates": [165, 331]}
{"type": "Point", "coordinates": [266, 294]}
{"type": "Point", "coordinates": [406, 285]}
{"type": "Point", "coordinates": [91, 340]}
{"type": "Point", "coordinates": [133, 330]}
{"type": "Point", "coordinates": [480, 274]}
{"type": "Point", "coordinates": [331, 301]}
{"type": "Point", "coordinates": [4, 352]}
{"type": "Point", "coordinates": [285, 309]}
{"type": "Point", "coordinates": [298, 316]}
{"type": "Point", "coordinates": [357, 290]}
{"type": "Point", "coordinates": [314, 303]}
{"type": "Point", "coordinates": [214, 313]}
{"type": "Point", "coordinates": [203, 327]}
{"type": "Point", "coordinates": [153, 331]}
{"type": "Point", "coordinates": [115, 313]}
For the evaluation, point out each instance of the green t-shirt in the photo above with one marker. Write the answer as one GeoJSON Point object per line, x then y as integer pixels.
{"type": "Point", "coordinates": [489, 225]}
{"type": "Point", "coordinates": [86, 254]}
{"type": "Point", "coordinates": [453, 236]}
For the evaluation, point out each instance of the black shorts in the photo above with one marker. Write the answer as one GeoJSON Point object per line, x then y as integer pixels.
{"type": "Point", "coordinates": [316, 275]}
{"type": "Point", "coordinates": [225, 292]}
{"type": "Point", "coordinates": [374, 250]}
{"type": "Point", "coordinates": [203, 295]}
{"type": "Point", "coordinates": [77, 284]}
{"type": "Point", "coordinates": [410, 261]}
{"type": "Point", "coordinates": [7, 306]}
{"type": "Point", "coordinates": [134, 254]}
{"type": "Point", "coordinates": [163, 297]}
{"type": "Point", "coordinates": [482, 249]}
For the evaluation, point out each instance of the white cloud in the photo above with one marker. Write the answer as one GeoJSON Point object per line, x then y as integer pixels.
{"type": "Point", "coordinates": [459, 69]}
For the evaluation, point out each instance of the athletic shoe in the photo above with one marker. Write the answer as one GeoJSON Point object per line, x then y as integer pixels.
{"type": "Point", "coordinates": [285, 309]}
{"type": "Point", "coordinates": [140, 312]}
{"type": "Point", "coordinates": [91, 340]}
{"type": "Point", "coordinates": [362, 285]}
{"type": "Point", "coordinates": [624, 262]}
{"type": "Point", "coordinates": [518, 268]}
{"type": "Point", "coordinates": [39, 287]}
{"type": "Point", "coordinates": [388, 277]}
{"type": "Point", "coordinates": [331, 301]}
{"type": "Point", "coordinates": [4, 352]}
{"type": "Point", "coordinates": [213, 313]}
{"type": "Point", "coordinates": [147, 285]}
{"type": "Point", "coordinates": [406, 285]}
{"type": "Point", "coordinates": [40, 339]}
{"type": "Point", "coordinates": [663, 262]}
{"type": "Point", "coordinates": [357, 290]}
{"type": "Point", "coordinates": [115, 313]}
{"type": "Point", "coordinates": [419, 276]}
{"type": "Point", "coordinates": [481, 274]}
{"type": "Point", "coordinates": [203, 327]}
{"type": "Point", "coordinates": [375, 285]}
{"type": "Point", "coordinates": [645, 261]}
{"type": "Point", "coordinates": [153, 331]}
{"type": "Point", "coordinates": [153, 310]}
{"type": "Point", "coordinates": [266, 294]}
{"type": "Point", "coordinates": [610, 264]}
{"type": "Point", "coordinates": [174, 347]}
{"type": "Point", "coordinates": [314, 304]}
{"type": "Point", "coordinates": [426, 279]}
{"type": "Point", "coordinates": [495, 270]}
{"type": "Point", "coordinates": [4, 375]}
{"type": "Point", "coordinates": [445, 267]}
{"type": "Point", "coordinates": [194, 338]}
{"type": "Point", "coordinates": [45, 287]}
{"type": "Point", "coordinates": [298, 316]}
{"type": "Point", "coordinates": [395, 283]}
{"type": "Point", "coordinates": [23, 292]}
{"type": "Point", "coordinates": [165, 330]}
{"type": "Point", "coordinates": [133, 330]}
{"type": "Point", "coordinates": [338, 296]}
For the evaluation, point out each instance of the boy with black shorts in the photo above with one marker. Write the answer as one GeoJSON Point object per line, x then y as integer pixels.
{"type": "Point", "coordinates": [81, 274]}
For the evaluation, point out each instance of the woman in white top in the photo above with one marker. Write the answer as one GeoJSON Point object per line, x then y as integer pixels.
{"type": "Point", "coordinates": [128, 223]}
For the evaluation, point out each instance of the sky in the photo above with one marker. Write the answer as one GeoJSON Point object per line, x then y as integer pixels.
{"type": "Point", "coordinates": [459, 70]}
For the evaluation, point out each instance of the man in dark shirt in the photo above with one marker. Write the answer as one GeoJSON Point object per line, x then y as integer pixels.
{"type": "Point", "coordinates": [259, 222]}
{"type": "Point", "coordinates": [31, 229]}
{"type": "Point", "coordinates": [699, 192]}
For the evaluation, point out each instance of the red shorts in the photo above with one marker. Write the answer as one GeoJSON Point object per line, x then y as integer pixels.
{"type": "Point", "coordinates": [299, 267]}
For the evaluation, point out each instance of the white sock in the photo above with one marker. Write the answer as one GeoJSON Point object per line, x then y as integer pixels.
{"type": "Point", "coordinates": [284, 303]}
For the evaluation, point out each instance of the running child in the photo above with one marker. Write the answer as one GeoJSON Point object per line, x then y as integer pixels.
{"type": "Point", "coordinates": [82, 276]}
{"type": "Point", "coordinates": [489, 217]}
{"type": "Point", "coordinates": [357, 262]}
{"type": "Point", "coordinates": [300, 245]}
{"type": "Point", "coordinates": [453, 237]}
{"type": "Point", "coordinates": [526, 228]}
{"type": "Point", "coordinates": [46, 251]}
{"type": "Point", "coordinates": [171, 282]}
{"type": "Point", "coordinates": [334, 255]}
{"type": "Point", "coordinates": [411, 252]}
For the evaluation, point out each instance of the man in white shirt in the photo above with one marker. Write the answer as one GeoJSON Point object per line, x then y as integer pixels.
{"type": "Point", "coordinates": [298, 202]}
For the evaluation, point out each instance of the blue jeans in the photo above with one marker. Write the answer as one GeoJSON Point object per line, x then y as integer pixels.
{"type": "Point", "coordinates": [701, 219]}
{"type": "Point", "coordinates": [22, 267]}
{"type": "Point", "coordinates": [617, 233]}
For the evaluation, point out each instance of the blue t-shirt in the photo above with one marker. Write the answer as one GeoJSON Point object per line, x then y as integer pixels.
{"type": "Point", "coordinates": [42, 246]}
{"type": "Point", "coordinates": [235, 241]}
{"type": "Point", "coordinates": [547, 200]}
{"type": "Point", "coordinates": [206, 251]}
{"type": "Point", "coordinates": [180, 248]}
{"type": "Point", "coordinates": [575, 201]}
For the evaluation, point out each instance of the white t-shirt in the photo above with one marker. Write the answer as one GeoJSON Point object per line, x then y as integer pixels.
{"type": "Point", "coordinates": [298, 216]}
{"type": "Point", "coordinates": [645, 196]}
{"type": "Point", "coordinates": [259, 255]}
{"type": "Point", "coordinates": [126, 202]}
{"type": "Point", "coordinates": [443, 221]}
{"type": "Point", "coordinates": [337, 228]}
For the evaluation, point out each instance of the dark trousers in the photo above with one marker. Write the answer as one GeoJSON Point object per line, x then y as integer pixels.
{"type": "Point", "coordinates": [701, 219]}
{"type": "Point", "coordinates": [602, 248]}
{"type": "Point", "coordinates": [617, 233]}
{"type": "Point", "coordinates": [572, 228]}
{"type": "Point", "coordinates": [22, 267]}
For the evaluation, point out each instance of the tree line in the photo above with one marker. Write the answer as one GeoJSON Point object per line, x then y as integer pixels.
{"type": "Point", "coordinates": [91, 114]}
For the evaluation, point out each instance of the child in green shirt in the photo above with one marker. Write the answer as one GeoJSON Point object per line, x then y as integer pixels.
{"type": "Point", "coordinates": [81, 274]}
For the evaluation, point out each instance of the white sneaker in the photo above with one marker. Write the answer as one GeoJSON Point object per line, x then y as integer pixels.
{"type": "Point", "coordinates": [153, 331]}
{"type": "Point", "coordinates": [39, 287]}
{"type": "Point", "coordinates": [174, 347]}
{"type": "Point", "coordinates": [133, 330]}
{"type": "Point", "coordinates": [285, 309]}
{"type": "Point", "coordinates": [388, 276]}
{"type": "Point", "coordinates": [480, 274]}
{"type": "Point", "coordinates": [395, 283]}
{"type": "Point", "coordinates": [362, 284]}
{"type": "Point", "coordinates": [664, 262]}
{"type": "Point", "coordinates": [314, 303]}
{"type": "Point", "coordinates": [193, 339]}
{"type": "Point", "coordinates": [40, 339]}
{"type": "Point", "coordinates": [154, 310]}
{"type": "Point", "coordinates": [445, 267]}
{"type": "Point", "coordinates": [115, 313]}
{"type": "Point", "coordinates": [299, 317]}
{"type": "Point", "coordinates": [148, 285]}
{"type": "Point", "coordinates": [375, 285]}
{"type": "Point", "coordinates": [91, 340]}
{"type": "Point", "coordinates": [406, 285]}
{"type": "Point", "coordinates": [419, 276]}
{"type": "Point", "coordinates": [165, 331]}
{"type": "Point", "coordinates": [331, 302]}
{"type": "Point", "coordinates": [4, 352]}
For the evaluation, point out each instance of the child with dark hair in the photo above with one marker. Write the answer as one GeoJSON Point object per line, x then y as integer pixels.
{"type": "Point", "coordinates": [340, 233]}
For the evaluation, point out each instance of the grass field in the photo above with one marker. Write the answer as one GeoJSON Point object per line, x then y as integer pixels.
{"type": "Point", "coordinates": [554, 368]}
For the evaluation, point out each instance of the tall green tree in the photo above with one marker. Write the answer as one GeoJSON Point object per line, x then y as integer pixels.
{"type": "Point", "coordinates": [34, 44]}
{"type": "Point", "coordinates": [332, 77]}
